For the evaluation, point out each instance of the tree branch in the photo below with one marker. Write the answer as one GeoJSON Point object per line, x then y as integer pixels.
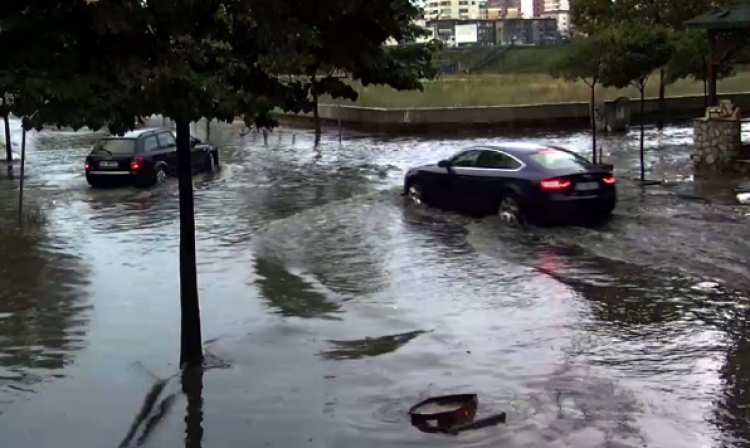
{"type": "Point", "coordinates": [203, 25]}
{"type": "Point", "coordinates": [152, 10]}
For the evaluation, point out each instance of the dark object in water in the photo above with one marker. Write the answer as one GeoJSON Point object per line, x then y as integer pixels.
{"type": "Point", "coordinates": [492, 420]}
{"type": "Point", "coordinates": [442, 414]}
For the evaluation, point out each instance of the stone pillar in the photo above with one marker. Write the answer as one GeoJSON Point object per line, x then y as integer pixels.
{"type": "Point", "coordinates": [718, 139]}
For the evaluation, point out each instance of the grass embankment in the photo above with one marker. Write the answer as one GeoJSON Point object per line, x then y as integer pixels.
{"type": "Point", "coordinates": [520, 78]}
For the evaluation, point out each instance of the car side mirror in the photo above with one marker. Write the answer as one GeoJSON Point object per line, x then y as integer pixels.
{"type": "Point", "coordinates": [444, 164]}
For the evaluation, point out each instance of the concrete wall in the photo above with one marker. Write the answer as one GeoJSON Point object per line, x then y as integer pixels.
{"type": "Point", "coordinates": [506, 116]}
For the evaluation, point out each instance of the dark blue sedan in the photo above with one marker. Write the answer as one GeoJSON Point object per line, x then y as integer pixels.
{"type": "Point", "coordinates": [519, 182]}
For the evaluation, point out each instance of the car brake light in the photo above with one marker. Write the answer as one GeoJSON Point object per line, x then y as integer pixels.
{"type": "Point", "coordinates": [555, 184]}
{"type": "Point", "coordinates": [86, 166]}
{"type": "Point", "coordinates": [136, 163]}
{"type": "Point", "coordinates": [609, 180]}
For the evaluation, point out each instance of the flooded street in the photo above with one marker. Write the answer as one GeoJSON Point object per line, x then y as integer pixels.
{"type": "Point", "coordinates": [330, 306]}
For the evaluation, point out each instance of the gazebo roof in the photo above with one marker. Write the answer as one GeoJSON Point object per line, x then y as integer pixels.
{"type": "Point", "coordinates": [734, 18]}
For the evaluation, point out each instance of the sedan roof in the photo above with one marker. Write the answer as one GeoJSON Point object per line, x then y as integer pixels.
{"type": "Point", "coordinates": [518, 148]}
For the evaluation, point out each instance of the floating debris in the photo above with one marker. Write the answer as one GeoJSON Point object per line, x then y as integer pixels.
{"type": "Point", "coordinates": [707, 286]}
{"type": "Point", "coordinates": [743, 198]}
{"type": "Point", "coordinates": [451, 414]}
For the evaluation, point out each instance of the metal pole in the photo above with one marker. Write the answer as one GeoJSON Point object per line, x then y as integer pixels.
{"type": "Point", "coordinates": [208, 130]}
{"type": "Point", "coordinates": [23, 163]}
{"type": "Point", "coordinates": [338, 116]}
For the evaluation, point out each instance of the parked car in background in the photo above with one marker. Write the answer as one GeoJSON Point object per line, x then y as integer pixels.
{"type": "Point", "coordinates": [144, 157]}
{"type": "Point", "coordinates": [519, 182]}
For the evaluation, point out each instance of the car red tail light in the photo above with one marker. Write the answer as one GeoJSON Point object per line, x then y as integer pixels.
{"type": "Point", "coordinates": [136, 163]}
{"type": "Point", "coordinates": [609, 180]}
{"type": "Point", "coordinates": [555, 184]}
{"type": "Point", "coordinates": [86, 166]}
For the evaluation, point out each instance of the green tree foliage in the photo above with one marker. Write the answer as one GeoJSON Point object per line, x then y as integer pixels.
{"type": "Point", "coordinates": [690, 59]}
{"type": "Point", "coordinates": [317, 37]}
{"type": "Point", "coordinates": [102, 63]}
{"type": "Point", "coordinates": [634, 53]}
{"type": "Point", "coordinates": [593, 16]}
{"type": "Point", "coordinates": [584, 61]}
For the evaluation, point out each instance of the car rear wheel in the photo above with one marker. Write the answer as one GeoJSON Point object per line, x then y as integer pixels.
{"type": "Point", "coordinates": [415, 193]}
{"type": "Point", "coordinates": [160, 176]}
{"type": "Point", "coordinates": [509, 210]}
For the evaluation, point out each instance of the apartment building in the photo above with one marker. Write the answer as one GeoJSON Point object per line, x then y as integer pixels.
{"type": "Point", "coordinates": [560, 11]}
{"type": "Point", "coordinates": [500, 9]}
{"type": "Point", "coordinates": [452, 9]}
{"type": "Point", "coordinates": [422, 23]}
{"type": "Point", "coordinates": [516, 31]}
{"type": "Point", "coordinates": [538, 31]}
{"type": "Point", "coordinates": [532, 9]}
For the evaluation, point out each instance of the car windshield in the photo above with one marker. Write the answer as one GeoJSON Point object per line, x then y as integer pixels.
{"type": "Point", "coordinates": [555, 159]}
{"type": "Point", "coordinates": [115, 146]}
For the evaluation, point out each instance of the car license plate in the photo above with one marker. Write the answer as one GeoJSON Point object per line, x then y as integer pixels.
{"type": "Point", "coordinates": [108, 164]}
{"type": "Point", "coordinates": [587, 186]}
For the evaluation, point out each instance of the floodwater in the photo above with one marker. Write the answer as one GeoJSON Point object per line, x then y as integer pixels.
{"type": "Point", "coordinates": [330, 306]}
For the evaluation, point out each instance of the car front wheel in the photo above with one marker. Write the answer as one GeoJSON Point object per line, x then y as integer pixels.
{"type": "Point", "coordinates": [509, 210]}
{"type": "Point", "coordinates": [415, 193]}
{"type": "Point", "coordinates": [210, 166]}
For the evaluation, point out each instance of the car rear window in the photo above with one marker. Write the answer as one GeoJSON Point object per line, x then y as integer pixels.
{"type": "Point", "coordinates": [554, 159]}
{"type": "Point", "coordinates": [115, 146]}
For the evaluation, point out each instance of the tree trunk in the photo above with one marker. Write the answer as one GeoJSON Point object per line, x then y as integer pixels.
{"type": "Point", "coordinates": [712, 68]}
{"type": "Point", "coordinates": [8, 144]}
{"type": "Point", "coordinates": [705, 93]}
{"type": "Point", "coordinates": [316, 119]}
{"type": "Point", "coordinates": [592, 112]}
{"type": "Point", "coordinates": [20, 185]}
{"type": "Point", "coordinates": [642, 119]}
{"type": "Point", "coordinates": [191, 348]}
{"type": "Point", "coordinates": [316, 115]}
{"type": "Point", "coordinates": [662, 88]}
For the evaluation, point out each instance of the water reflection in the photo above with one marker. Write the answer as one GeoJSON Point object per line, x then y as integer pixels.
{"type": "Point", "coordinates": [43, 306]}
{"type": "Point", "coordinates": [290, 294]}
{"type": "Point", "coordinates": [732, 406]}
{"type": "Point", "coordinates": [343, 245]}
{"type": "Point", "coordinates": [368, 347]}
{"type": "Point", "coordinates": [152, 413]}
{"type": "Point", "coordinates": [192, 387]}
{"type": "Point", "coordinates": [116, 211]}
{"type": "Point", "coordinates": [629, 298]}
{"type": "Point", "coordinates": [584, 351]}
{"type": "Point", "coordinates": [583, 409]}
